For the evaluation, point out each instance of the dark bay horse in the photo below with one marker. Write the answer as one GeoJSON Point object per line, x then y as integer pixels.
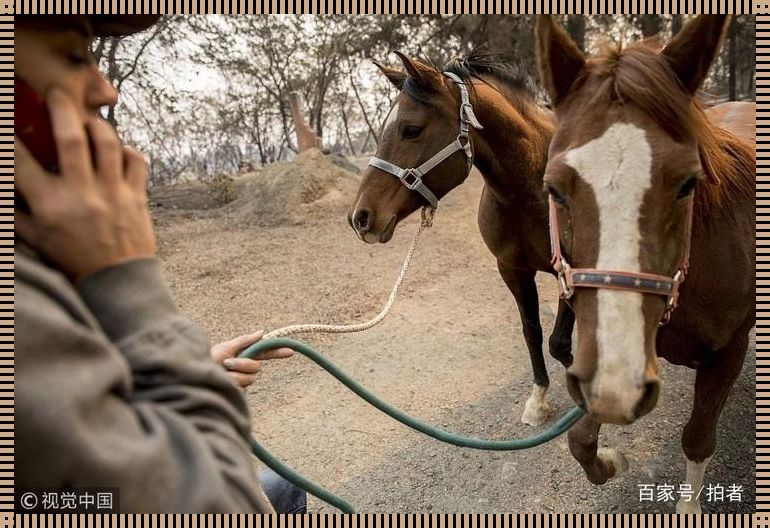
{"type": "Point", "coordinates": [435, 125]}
{"type": "Point", "coordinates": [658, 197]}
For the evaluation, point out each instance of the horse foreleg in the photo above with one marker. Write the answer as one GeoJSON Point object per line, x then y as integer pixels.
{"type": "Point", "coordinates": [560, 342]}
{"type": "Point", "coordinates": [524, 290]}
{"type": "Point", "coordinates": [713, 382]}
{"type": "Point", "coordinates": [600, 465]}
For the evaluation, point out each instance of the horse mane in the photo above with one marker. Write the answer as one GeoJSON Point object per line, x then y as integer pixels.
{"type": "Point", "coordinates": [500, 67]}
{"type": "Point", "coordinates": [640, 76]}
{"type": "Point", "coordinates": [484, 66]}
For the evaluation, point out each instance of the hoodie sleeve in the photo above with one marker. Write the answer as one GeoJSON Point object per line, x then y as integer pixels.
{"type": "Point", "coordinates": [114, 388]}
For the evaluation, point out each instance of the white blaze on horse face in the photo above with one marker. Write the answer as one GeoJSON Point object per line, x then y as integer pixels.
{"type": "Point", "coordinates": [618, 167]}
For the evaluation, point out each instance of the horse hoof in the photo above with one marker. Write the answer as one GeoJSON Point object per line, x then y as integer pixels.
{"type": "Point", "coordinates": [688, 506]}
{"type": "Point", "coordinates": [537, 409]}
{"type": "Point", "coordinates": [614, 459]}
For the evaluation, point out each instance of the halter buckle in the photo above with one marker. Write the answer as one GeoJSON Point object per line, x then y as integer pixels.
{"type": "Point", "coordinates": [412, 178]}
{"type": "Point", "coordinates": [565, 290]}
{"type": "Point", "coordinates": [673, 299]}
{"type": "Point", "coordinates": [465, 108]}
{"type": "Point", "coordinates": [468, 116]}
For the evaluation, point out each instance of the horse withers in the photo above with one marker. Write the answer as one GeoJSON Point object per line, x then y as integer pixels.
{"type": "Point", "coordinates": [477, 110]}
{"type": "Point", "coordinates": [658, 258]}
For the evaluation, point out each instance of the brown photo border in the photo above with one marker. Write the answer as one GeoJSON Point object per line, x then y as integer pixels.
{"type": "Point", "coordinates": [761, 8]}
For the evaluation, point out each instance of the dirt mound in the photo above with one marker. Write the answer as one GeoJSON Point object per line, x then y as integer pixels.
{"type": "Point", "coordinates": [285, 193]}
{"type": "Point", "coordinates": [184, 196]}
{"type": "Point", "coordinates": [290, 192]}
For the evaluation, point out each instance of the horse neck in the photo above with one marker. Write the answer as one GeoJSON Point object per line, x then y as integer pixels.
{"type": "Point", "coordinates": [511, 150]}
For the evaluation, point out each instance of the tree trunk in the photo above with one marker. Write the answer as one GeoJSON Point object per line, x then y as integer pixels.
{"type": "Point", "coordinates": [98, 49]}
{"type": "Point", "coordinates": [285, 126]}
{"type": "Point", "coordinates": [113, 73]}
{"type": "Point", "coordinates": [676, 24]}
{"type": "Point", "coordinates": [319, 107]}
{"type": "Point", "coordinates": [323, 88]}
{"type": "Point", "coordinates": [347, 129]}
{"type": "Point", "coordinates": [732, 61]}
{"type": "Point", "coordinates": [576, 27]}
{"type": "Point", "coordinates": [366, 142]}
{"type": "Point", "coordinates": [650, 25]}
{"type": "Point", "coordinates": [362, 107]}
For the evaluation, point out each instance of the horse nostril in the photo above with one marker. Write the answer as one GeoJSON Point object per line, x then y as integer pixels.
{"type": "Point", "coordinates": [649, 399]}
{"type": "Point", "coordinates": [362, 220]}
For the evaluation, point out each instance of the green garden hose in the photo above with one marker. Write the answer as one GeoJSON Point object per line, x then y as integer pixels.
{"type": "Point", "coordinates": [557, 428]}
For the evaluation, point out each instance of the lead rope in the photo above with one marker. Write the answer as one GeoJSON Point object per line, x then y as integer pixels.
{"type": "Point", "coordinates": [425, 223]}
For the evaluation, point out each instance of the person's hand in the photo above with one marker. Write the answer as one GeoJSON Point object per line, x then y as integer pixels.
{"type": "Point", "coordinates": [243, 371]}
{"type": "Point", "coordinates": [93, 214]}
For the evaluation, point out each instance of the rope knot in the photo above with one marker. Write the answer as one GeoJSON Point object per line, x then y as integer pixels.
{"type": "Point", "coordinates": [427, 216]}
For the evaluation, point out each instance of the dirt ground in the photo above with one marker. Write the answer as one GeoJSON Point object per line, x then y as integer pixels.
{"type": "Point", "coordinates": [451, 353]}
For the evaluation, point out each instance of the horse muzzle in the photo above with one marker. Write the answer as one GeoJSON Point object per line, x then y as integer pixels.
{"type": "Point", "coordinates": [363, 222]}
{"type": "Point", "coordinates": [622, 405]}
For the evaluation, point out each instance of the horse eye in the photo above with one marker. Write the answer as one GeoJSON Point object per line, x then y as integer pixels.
{"type": "Point", "coordinates": [686, 188]}
{"type": "Point", "coordinates": [558, 198]}
{"type": "Point", "coordinates": [411, 132]}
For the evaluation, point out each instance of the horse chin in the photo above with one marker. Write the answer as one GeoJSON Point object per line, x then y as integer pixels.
{"type": "Point", "coordinates": [383, 236]}
{"type": "Point", "coordinates": [387, 233]}
{"type": "Point", "coordinates": [614, 420]}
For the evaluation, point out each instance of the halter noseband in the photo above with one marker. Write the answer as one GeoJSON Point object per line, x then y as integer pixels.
{"type": "Point", "coordinates": [571, 278]}
{"type": "Point", "coordinates": [412, 178]}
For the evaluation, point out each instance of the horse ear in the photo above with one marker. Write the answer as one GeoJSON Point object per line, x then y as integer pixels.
{"type": "Point", "coordinates": [694, 48]}
{"type": "Point", "coordinates": [426, 77]}
{"type": "Point", "coordinates": [396, 77]}
{"type": "Point", "coordinates": [558, 58]}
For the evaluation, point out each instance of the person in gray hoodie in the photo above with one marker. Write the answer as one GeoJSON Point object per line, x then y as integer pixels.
{"type": "Point", "coordinates": [114, 387]}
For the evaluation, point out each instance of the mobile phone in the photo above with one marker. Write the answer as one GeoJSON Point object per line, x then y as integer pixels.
{"type": "Point", "coordinates": [32, 125]}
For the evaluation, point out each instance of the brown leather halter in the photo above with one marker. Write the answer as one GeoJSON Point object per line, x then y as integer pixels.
{"type": "Point", "coordinates": [571, 278]}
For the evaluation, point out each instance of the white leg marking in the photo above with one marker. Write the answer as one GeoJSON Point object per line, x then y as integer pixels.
{"type": "Point", "coordinates": [694, 478]}
{"type": "Point", "coordinates": [537, 408]}
{"type": "Point", "coordinates": [618, 167]}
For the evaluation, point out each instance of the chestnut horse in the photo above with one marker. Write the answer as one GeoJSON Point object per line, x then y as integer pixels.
{"type": "Point", "coordinates": [659, 196]}
{"type": "Point", "coordinates": [476, 110]}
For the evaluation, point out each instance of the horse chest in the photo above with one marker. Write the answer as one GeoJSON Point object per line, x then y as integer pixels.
{"type": "Point", "coordinates": [515, 234]}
